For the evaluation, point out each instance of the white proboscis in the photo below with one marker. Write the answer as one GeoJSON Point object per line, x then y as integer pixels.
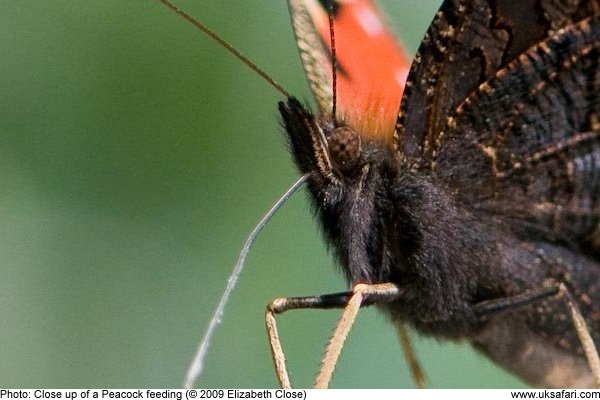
{"type": "Point", "coordinates": [196, 367]}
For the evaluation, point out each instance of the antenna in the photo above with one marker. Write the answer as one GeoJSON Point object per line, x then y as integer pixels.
{"type": "Point", "coordinates": [333, 58]}
{"type": "Point", "coordinates": [236, 53]}
{"type": "Point", "coordinates": [195, 369]}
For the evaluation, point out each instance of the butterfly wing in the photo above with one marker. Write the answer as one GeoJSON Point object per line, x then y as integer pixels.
{"type": "Point", "coordinates": [466, 44]}
{"type": "Point", "coordinates": [530, 138]}
{"type": "Point", "coordinates": [371, 66]}
{"type": "Point", "coordinates": [502, 104]}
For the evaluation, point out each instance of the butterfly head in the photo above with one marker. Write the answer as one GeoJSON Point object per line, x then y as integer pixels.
{"type": "Point", "coordinates": [345, 148]}
{"type": "Point", "coordinates": [333, 152]}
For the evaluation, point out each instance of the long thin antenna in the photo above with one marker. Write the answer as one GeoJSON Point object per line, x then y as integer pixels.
{"type": "Point", "coordinates": [333, 58]}
{"type": "Point", "coordinates": [195, 369]}
{"type": "Point", "coordinates": [213, 35]}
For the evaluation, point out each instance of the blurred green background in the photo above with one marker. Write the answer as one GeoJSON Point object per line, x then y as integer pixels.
{"type": "Point", "coordinates": [135, 157]}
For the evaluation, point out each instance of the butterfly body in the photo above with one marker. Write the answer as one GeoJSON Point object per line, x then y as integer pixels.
{"type": "Point", "coordinates": [388, 223]}
{"type": "Point", "coordinates": [490, 187]}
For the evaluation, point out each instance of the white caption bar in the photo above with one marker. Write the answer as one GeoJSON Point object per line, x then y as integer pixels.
{"type": "Point", "coordinates": [312, 394]}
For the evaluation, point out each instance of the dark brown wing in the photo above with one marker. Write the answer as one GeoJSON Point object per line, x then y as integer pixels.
{"type": "Point", "coordinates": [525, 146]}
{"type": "Point", "coordinates": [465, 45]}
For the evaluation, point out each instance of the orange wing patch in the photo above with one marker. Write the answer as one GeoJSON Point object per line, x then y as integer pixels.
{"type": "Point", "coordinates": [372, 66]}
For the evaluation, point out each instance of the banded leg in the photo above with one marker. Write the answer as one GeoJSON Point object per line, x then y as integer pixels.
{"type": "Point", "coordinates": [559, 291]}
{"type": "Point", "coordinates": [281, 305]}
{"type": "Point", "coordinates": [362, 295]}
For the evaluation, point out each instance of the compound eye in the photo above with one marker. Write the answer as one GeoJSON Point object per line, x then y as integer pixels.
{"type": "Point", "coordinates": [344, 149]}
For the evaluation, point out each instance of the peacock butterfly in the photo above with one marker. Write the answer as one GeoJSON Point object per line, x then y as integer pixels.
{"type": "Point", "coordinates": [478, 204]}
{"type": "Point", "coordinates": [481, 207]}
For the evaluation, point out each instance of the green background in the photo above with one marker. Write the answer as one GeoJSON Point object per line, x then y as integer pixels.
{"type": "Point", "coordinates": [135, 156]}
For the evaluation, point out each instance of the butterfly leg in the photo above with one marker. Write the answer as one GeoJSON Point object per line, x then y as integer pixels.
{"type": "Point", "coordinates": [281, 305]}
{"type": "Point", "coordinates": [361, 295]}
{"type": "Point", "coordinates": [411, 356]}
{"type": "Point", "coordinates": [487, 308]}
{"type": "Point", "coordinates": [361, 292]}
